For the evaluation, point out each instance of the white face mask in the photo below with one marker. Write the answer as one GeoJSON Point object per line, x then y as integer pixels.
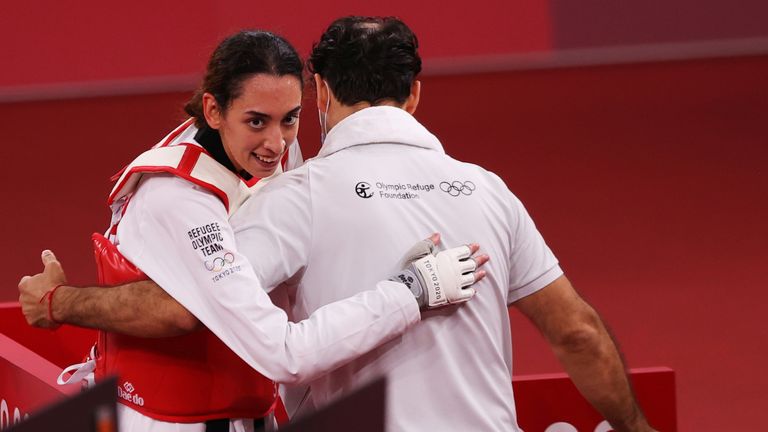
{"type": "Point", "coordinates": [323, 116]}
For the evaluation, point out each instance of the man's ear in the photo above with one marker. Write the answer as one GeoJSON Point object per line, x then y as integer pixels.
{"type": "Point", "coordinates": [322, 92]}
{"type": "Point", "coordinates": [413, 99]}
{"type": "Point", "coordinates": [211, 111]}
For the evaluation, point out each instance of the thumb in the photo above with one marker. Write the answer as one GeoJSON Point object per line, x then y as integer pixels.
{"type": "Point", "coordinates": [48, 257]}
{"type": "Point", "coordinates": [52, 266]}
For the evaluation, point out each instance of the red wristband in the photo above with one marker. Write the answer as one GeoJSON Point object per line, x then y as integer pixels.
{"type": "Point", "coordinates": [49, 294]}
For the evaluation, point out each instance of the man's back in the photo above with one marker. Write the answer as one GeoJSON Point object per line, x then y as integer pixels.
{"type": "Point", "coordinates": [381, 179]}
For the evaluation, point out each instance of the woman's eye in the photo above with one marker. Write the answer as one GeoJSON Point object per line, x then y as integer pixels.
{"type": "Point", "coordinates": [291, 120]}
{"type": "Point", "coordinates": [256, 123]}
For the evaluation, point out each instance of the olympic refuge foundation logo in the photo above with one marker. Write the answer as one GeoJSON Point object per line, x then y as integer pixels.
{"type": "Point", "coordinates": [363, 190]}
{"type": "Point", "coordinates": [412, 191]}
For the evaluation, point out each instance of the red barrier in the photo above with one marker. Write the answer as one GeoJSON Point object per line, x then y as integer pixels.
{"type": "Point", "coordinates": [31, 360]}
{"type": "Point", "coordinates": [551, 402]}
{"type": "Point", "coordinates": [28, 382]}
{"type": "Point", "coordinates": [62, 347]}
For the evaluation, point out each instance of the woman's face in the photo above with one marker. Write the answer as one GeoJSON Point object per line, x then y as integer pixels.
{"type": "Point", "coordinates": [258, 125]}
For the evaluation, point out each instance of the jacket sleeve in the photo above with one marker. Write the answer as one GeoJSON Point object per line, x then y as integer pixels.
{"type": "Point", "coordinates": [179, 235]}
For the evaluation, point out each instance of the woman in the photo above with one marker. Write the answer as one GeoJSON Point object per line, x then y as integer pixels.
{"type": "Point", "coordinates": [170, 218]}
{"type": "Point", "coordinates": [243, 115]}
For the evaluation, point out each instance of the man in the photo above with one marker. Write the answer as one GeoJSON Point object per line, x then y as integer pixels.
{"type": "Point", "coordinates": [380, 178]}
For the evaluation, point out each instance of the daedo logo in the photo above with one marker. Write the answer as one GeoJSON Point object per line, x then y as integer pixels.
{"type": "Point", "coordinates": [125, 391]}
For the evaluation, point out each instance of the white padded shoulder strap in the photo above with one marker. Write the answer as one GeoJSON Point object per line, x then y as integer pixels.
{"type": "Point", "coordinates": [190, 162]}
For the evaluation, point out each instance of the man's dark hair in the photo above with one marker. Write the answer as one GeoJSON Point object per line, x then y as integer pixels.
{"type": "Point", "coordinates": [236, 59]}
{"type": "Point", "coordinates": [370, 59]}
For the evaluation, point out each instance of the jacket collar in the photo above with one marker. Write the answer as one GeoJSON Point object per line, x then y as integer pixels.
{"type": "Point", "coordinates": [379, 124]}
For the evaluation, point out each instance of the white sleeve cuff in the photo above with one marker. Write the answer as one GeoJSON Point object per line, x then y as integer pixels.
{"type": "Point", "coordinates": [401, 295]}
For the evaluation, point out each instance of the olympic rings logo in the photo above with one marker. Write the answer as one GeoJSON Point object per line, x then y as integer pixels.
{"type": "Point", "coordinates": [457, 188]}
{"type": "Point", "coordinates": [219, 263]}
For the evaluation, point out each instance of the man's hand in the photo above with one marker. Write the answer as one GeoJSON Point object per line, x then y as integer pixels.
{"type": "Point", "coordinates": [138, 308]}
{"type": "Point", "coordinates": [33, 291]}
{"type": "Point", "coordinates": [442, 278]}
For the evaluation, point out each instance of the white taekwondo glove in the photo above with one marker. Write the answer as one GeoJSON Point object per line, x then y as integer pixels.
{"type": "Point", "coordinates": [438, 279]}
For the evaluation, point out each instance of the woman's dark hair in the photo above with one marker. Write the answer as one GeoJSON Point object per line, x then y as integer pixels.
{"type": "Point", "coordinates": [369, 59]}
{"type": "Point", "coordinates": [239, 57]}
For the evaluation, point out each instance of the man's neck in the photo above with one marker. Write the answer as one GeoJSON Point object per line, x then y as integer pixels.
{"type": "Point", "coordinates": [339, 112]}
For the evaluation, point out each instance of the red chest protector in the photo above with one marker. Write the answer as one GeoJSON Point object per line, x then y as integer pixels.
{"type": "Point", "coordinates": [190, 378]}
{"type": "Point", "coordinates": [183, 379]}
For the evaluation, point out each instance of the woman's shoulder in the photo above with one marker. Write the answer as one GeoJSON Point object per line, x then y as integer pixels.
{"type": "Point", "coordinates": [163, 191]}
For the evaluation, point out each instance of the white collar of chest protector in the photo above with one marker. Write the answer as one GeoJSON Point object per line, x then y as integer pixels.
{"type": "Point", "coordinates": [379, 124]}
